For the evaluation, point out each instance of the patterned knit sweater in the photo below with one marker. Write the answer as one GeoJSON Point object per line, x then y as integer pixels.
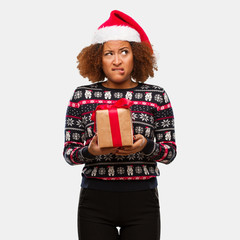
{"type": "Point", "coordinates": [152, 116]}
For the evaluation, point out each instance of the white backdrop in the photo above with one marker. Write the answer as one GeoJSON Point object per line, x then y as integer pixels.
{"type": "Point", "coordinates": [198, 45]}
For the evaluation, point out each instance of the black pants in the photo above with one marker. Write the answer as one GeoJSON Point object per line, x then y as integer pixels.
{"type": "Point", "coordinates": [136, 213]}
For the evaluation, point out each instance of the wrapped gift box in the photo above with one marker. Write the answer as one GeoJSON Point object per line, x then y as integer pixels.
{"type": "Point", "coordinates": [114, 127]}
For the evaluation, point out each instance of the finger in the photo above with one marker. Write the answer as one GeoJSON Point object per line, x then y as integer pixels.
{"type": "Point", "coordinates": [143, 141]}
{"type": "Point", "coordinates": [136, 145]}
{"type": "Point", "coordinates": [113, 150]}
{"type": "Point", "coordinates": [126, 148]}
{"type": "Point", "coordinates": [94, 139]}
{"type": "Point", "coordinates": [137, 137]}
{"type": "Point", "coordinates": [109, 150]}
{"type": "Point", "coordinates": [140, 142]}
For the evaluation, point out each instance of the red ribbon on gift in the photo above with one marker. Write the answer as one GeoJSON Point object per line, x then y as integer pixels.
{"type": "Point", "coordinates": [113, 118]}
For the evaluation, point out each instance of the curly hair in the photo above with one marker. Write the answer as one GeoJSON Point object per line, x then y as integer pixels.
{"type": "Point", "coordinates": [90, 62]}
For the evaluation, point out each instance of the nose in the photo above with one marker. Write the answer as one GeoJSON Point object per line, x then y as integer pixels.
{"type": "Point", "coordinates": [117, 60]}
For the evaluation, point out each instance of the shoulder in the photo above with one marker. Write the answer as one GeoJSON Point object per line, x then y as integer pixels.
{"type": "Point", "coordinates": [86, 91]}
{"type": "Point", "coordinates": [151, 87]}
{"type": "Point", "coordinates": [88, 87]}
{"type": "Point", "coordinates": [153, 93]}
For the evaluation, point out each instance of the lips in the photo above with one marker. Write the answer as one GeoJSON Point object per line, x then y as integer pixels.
{"type": "Point", "coordinates": [120, 70]}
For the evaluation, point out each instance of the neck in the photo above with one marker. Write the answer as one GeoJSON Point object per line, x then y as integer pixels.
{"type": "Point", "coordinates": [122, 85]}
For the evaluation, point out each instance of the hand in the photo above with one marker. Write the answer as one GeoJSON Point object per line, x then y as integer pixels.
{"type": "Point", "coordinates": [138, 145]}
{"type": "Point", "coordinates": [95, 150]}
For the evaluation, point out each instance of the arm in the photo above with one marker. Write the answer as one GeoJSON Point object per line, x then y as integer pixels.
{"type": "Point", "coordinates": [75, 149]}
{"type": "Point", "coordinates": [164, 149]}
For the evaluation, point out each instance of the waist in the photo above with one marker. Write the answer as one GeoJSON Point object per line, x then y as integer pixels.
{"type": "Point", "coordinates": [121, 170]}
{"type": "Point", "coordinates": [118, 185]}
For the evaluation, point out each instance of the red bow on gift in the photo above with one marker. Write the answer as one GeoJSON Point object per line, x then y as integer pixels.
{"type": "Point", "coordinates": [121, 103]}
{"type": "Point", "coordinates": [113, 117]}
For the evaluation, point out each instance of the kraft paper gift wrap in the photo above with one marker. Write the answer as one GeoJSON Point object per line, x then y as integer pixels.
{"type": "Point", "coordinates": [114, 124]}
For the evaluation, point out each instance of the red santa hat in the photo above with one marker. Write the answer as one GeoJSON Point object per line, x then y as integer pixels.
{"type": "Point", "coordinates": [120, 26]}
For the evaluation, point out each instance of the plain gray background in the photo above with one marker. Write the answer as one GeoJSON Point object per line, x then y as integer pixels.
{"type": "Point", "coordinates": [198, 47]}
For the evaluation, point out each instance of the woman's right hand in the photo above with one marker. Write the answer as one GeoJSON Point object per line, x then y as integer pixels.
{"type": "Point", "coordinates": [95, 150]}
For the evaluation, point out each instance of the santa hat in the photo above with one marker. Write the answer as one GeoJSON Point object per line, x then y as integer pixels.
{"type": "Point", "coordinates": [120, 26]}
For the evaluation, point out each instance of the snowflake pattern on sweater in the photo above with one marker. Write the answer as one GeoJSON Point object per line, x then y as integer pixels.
{"type": "Point", "coordinates": [152, 117]}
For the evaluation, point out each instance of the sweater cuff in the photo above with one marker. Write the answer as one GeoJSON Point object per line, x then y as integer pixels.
{"type": "Point", "coordinates": [87, 154]}
{"type": "Point", "coordinates": [149, 147]}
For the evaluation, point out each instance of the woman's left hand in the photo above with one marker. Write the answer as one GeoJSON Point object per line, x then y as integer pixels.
{"type": "Point", "coordinates": [139, 143]}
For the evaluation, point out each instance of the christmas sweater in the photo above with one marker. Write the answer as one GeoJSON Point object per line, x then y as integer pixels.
{"type": "Point", "coordinates": [152, 116]}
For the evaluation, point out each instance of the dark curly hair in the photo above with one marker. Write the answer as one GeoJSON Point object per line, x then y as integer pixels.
{"type": "Point", "coordinates": [90, 62]}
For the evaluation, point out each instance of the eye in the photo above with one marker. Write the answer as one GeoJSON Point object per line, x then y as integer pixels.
{"type": "Point", "coordinates": [125, 52]}
{"type": "Point", "coordinates": [107, 53]}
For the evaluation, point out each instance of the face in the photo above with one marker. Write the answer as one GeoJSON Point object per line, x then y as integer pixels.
{"type": "Point", "coordinates": [117, 61]}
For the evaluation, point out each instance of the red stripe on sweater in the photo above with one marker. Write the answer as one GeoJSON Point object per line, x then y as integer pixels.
{"type": "Point", "coordinates": [172, 143]}
{"type": "Point", "coordinates": [143, 112]}
{"type": "Point", "coordinates": [70, 142]}
{"type": "Point", "coordinates": [165, 153]}
{"type": "Point", "coordinates": [168, 142]}
{"type": "Point", "coordinates": [163, 118]}
{"type": "Point", "coordinates": [78, 104]}
{"type": "Point", "coordinates": [73, 117]}
{"type": "Point", "coordinates": [87, 112]}
{"type": "Point", "coordinates": [124, 178]}
{"type": "Point", "coordinates": [71, 155]}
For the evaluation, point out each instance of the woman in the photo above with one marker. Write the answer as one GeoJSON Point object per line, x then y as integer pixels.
{"type": "Point", "coordinates": [119, 185]}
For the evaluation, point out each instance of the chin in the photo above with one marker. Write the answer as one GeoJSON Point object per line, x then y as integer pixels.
{"type": "Point", "coordinates": [118, 81]}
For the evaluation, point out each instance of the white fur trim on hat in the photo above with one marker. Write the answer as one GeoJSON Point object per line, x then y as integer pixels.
{"type": "Point", "coordinates": [123, 33]}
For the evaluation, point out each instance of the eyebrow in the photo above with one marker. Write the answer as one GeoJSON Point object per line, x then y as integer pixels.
{"type": "Point", "coordinates": [123, 48]}
{"type": "Point", "coordinates": [109, 50]}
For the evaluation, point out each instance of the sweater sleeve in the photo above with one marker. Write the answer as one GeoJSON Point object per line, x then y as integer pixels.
{"type": "Point", "coordinates": [75, 148]}
{"type": "Point", "coordinates": [164, 148]}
